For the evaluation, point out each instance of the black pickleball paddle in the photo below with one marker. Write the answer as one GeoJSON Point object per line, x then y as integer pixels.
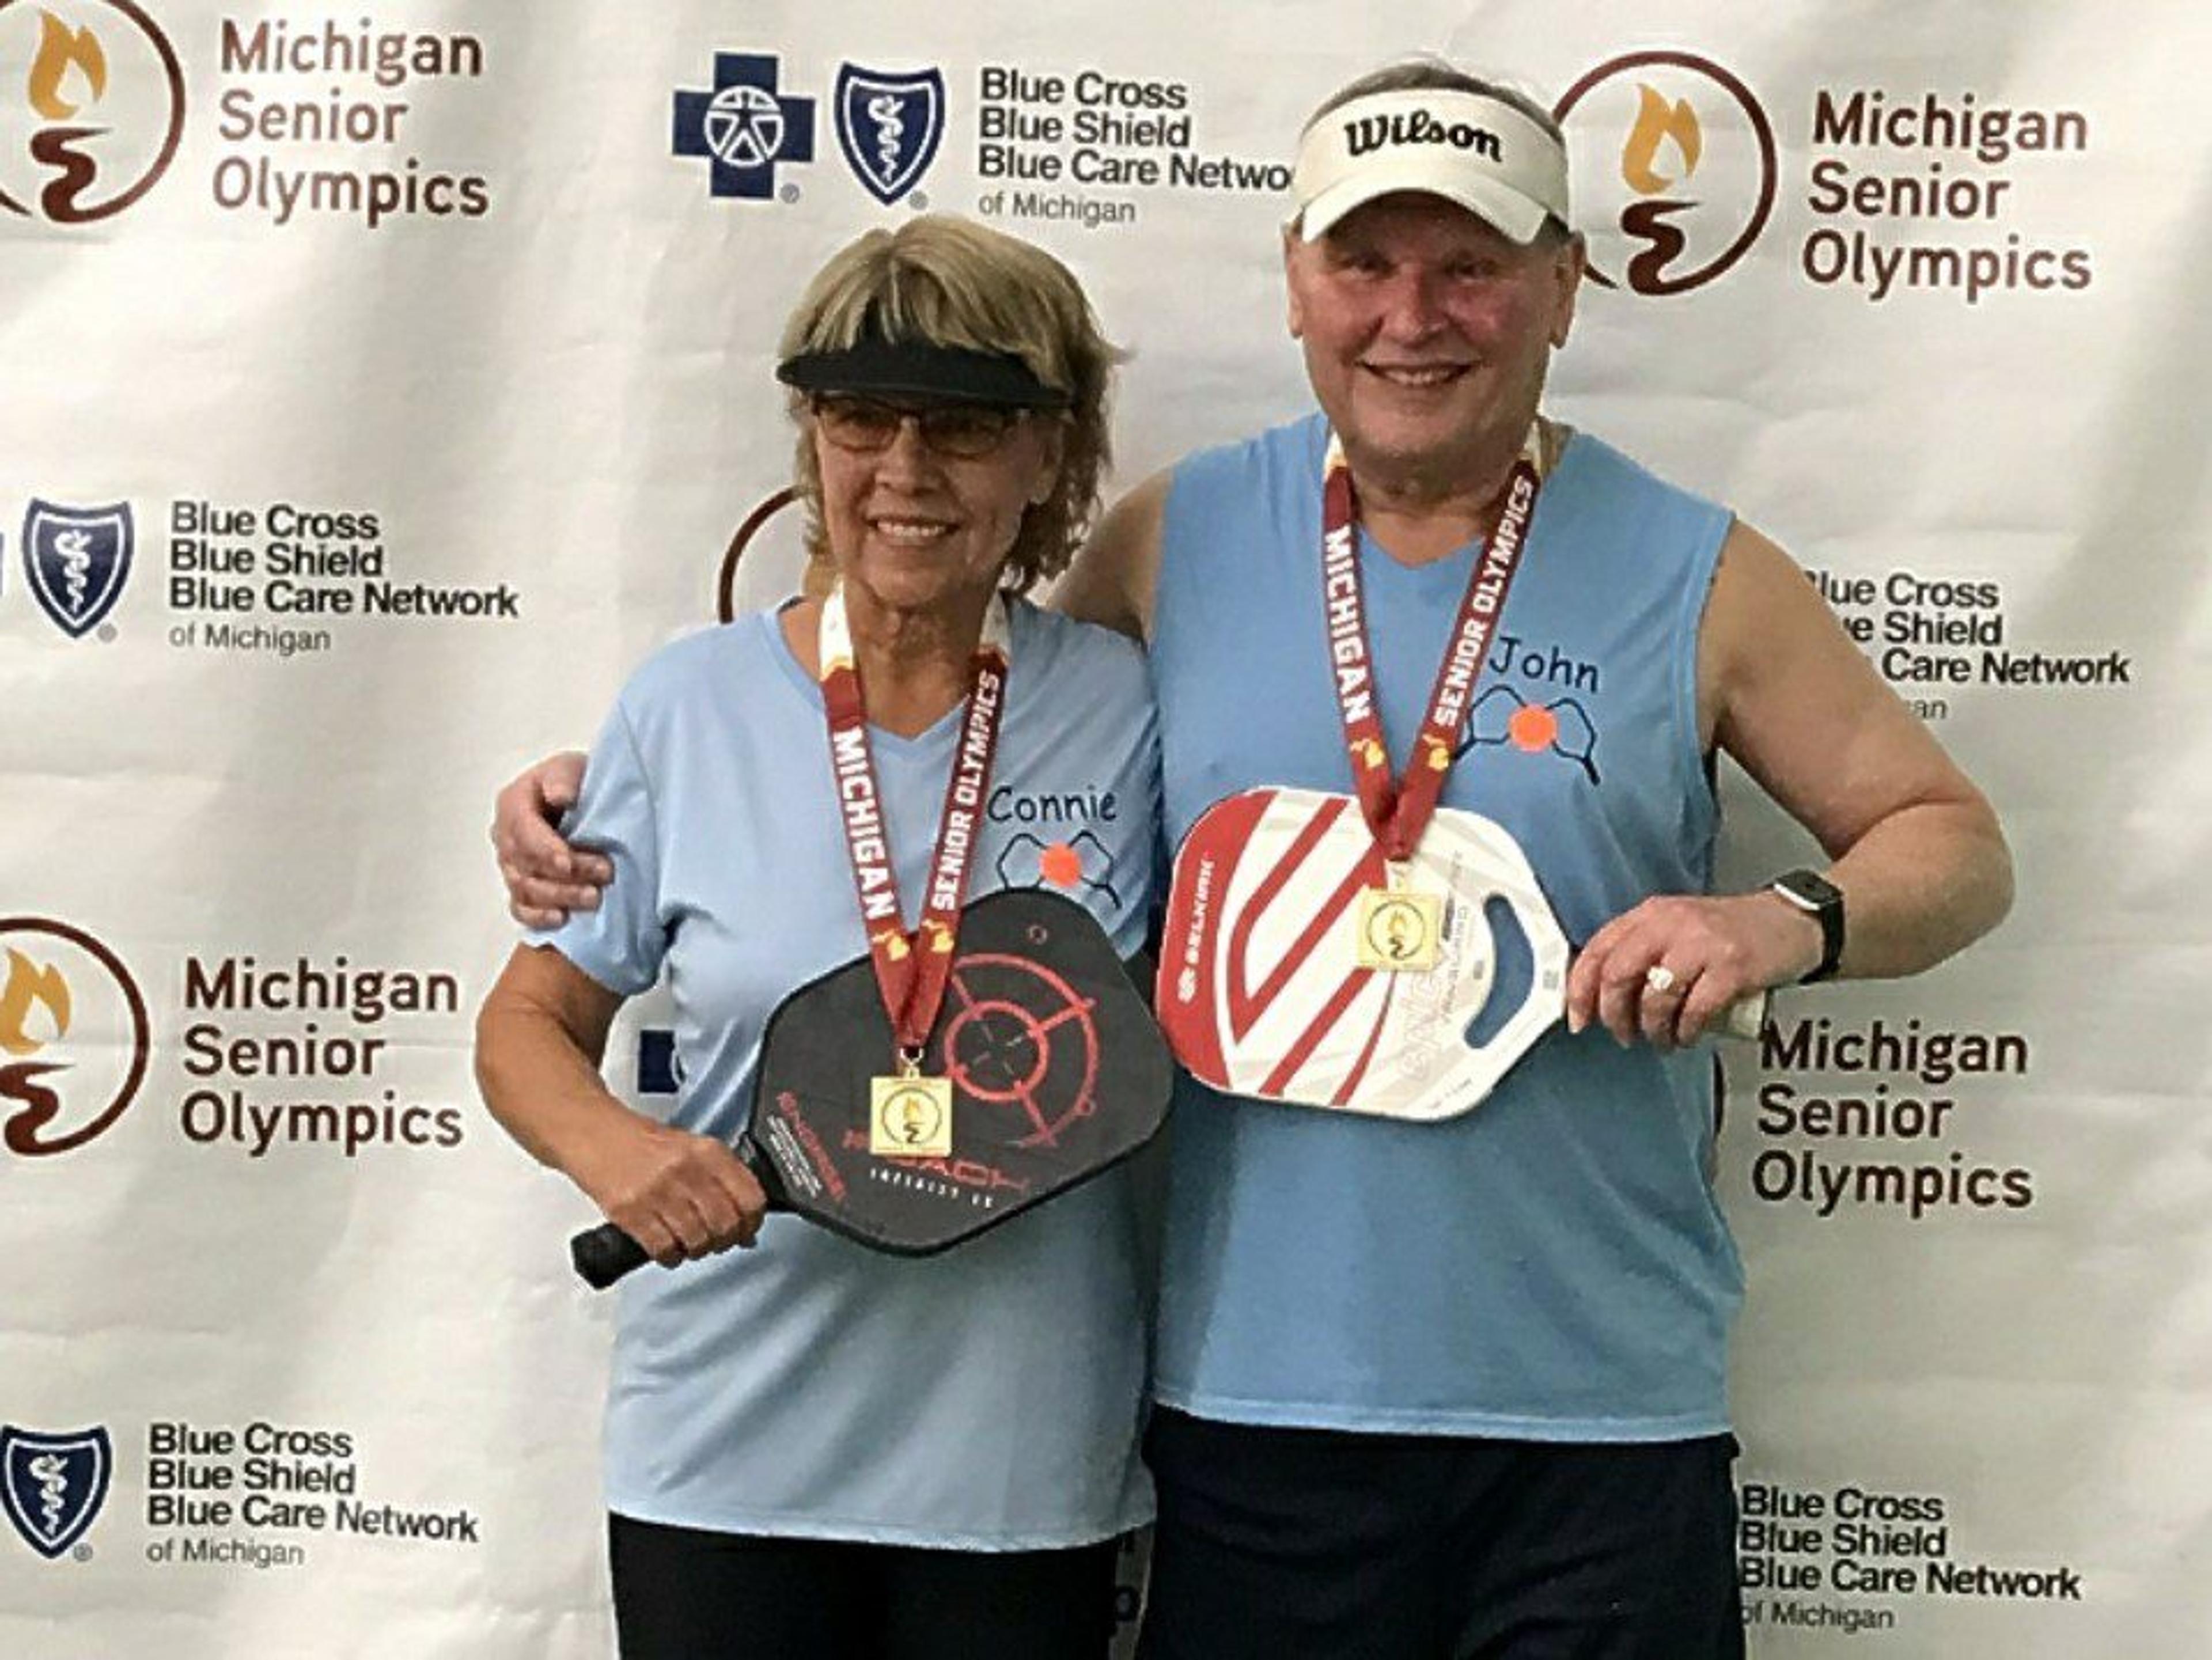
{"type": "Point", "coordinates": [1058, 1073]}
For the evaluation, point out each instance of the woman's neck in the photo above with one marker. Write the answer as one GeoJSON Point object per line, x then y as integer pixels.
{"type": "Point", "coordinates": [913, 664]}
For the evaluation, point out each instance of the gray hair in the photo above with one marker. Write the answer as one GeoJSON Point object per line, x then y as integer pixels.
{"type": "Point", "coordinates": [1429, 73]}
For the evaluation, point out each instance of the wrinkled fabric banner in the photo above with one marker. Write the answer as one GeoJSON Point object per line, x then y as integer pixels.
{"type": "Point", "coordinates": [382, 381]}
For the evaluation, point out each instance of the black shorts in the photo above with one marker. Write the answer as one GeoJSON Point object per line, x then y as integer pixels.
{"type": "Point", "coordinates": [1294, 1544]}
{"type": "Point", "coordinates": [683, 1593]}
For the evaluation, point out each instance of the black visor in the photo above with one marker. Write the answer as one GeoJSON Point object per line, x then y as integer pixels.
{"type": "Point", "coordinates": [914, 368]}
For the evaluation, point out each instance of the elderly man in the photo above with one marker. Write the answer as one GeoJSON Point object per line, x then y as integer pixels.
{"type": "Point", "coordinates": [1456, 1388]}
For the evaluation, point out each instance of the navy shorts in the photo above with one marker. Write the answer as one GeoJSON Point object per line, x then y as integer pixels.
{"type": "Point", "coordinates": [685, 1594]}
{"type": "Point", "coordinates": [1298, 1544]}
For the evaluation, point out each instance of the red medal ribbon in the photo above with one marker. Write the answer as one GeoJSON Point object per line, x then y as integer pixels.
{"type": "Point", "coordinates": [911, 971]}
{"type": "Point", "coordinates": [1397, 813]}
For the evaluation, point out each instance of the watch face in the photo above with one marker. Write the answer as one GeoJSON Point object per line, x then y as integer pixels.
{"type": "Point", "coordinates": [1822, 900]}
{"type": "Point", "coordinates": [1814, 892]}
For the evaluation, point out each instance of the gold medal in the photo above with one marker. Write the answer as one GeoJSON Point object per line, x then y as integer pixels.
{"type": "Point", "coordinates": [1399, 931]}
{"type": "Point", "coordinates": [910, 1117]}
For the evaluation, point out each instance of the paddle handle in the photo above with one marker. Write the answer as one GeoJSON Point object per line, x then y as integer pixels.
{"type": "Point", "coordinates": [1745, 1019]}
{"type": "Point", "coordinates": [602, 1254]}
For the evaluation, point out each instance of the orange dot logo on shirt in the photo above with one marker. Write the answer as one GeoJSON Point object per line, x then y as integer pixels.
{"type": "Point", "coordinates": [1533, 729]}
{"type": "Point", "coordinates": [1060, 864]}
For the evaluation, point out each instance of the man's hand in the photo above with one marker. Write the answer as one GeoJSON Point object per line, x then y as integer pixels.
{"type": "Point", "coordinates": [545, 878]}
{"type": "Point", "coordinates": [1667, 971]}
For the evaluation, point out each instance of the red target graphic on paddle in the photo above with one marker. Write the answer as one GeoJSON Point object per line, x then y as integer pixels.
{"type": "Point", "coordinates": [1021, 1039]}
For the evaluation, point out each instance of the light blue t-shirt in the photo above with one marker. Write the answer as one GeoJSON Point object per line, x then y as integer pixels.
{"type": "Point", "coordinates": [987, 1398]}
{"type": "Point", "coordinates": [1553, 1265]}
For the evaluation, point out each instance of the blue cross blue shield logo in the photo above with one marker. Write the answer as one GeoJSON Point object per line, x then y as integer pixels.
{"type": "Point", "coordinates": [744, 127]}
{"type": "Point", "coordinates": [77, 560]}
{"type": "Point", "coordinates": [53, 1486]}
{"type": "Point", "coordinates": [888, 126]}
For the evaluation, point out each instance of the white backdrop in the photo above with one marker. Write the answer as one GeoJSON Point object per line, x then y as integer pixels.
{"type": "Point", "coordinates": [431, 380]}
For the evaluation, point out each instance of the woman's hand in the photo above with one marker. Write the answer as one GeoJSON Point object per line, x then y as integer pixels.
{"type": "Point", "coordinates": [678, 1194]}
{"type": "Point", "coordinates": [540, 1036]}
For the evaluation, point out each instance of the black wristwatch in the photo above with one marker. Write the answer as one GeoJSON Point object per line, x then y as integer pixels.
{"type": "Point", "coordinates": [1823, 901]}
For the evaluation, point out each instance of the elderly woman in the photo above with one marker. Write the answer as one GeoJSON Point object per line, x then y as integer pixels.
{"type": "Point", "coordinates": [810, 1449]}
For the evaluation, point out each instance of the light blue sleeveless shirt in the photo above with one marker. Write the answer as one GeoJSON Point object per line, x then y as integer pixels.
{"type": "Point", "coordinates": [987, 1398]}
{"type": "Point", "coordinates": [1553, 1265]}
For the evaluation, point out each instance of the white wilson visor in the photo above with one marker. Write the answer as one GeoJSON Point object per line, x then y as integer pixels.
{"type": "Point", "coordinates": [1466, 147]}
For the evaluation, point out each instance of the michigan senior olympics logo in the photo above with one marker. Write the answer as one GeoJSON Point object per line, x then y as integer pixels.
{"type": "Point", "coordinates": [92, 106]}
{"type": "Point", "coordinates": [77, 560]}
{"type": "Point", "coordinates": [888, 127]}
{"type": "Point", "coordinates": [53, 1486]}
{"type": "Point", "coordinates": [1674, 169]}
{"type": "Point", "coordinates": [745, 127]}
{"type": "Point", "coordinates": [781, 563]}
{"type": "Point", "coordinates": [74, 1036]}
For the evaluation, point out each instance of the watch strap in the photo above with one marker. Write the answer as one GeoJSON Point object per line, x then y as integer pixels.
{"type": "Point", "coordinates": [1820, 899]}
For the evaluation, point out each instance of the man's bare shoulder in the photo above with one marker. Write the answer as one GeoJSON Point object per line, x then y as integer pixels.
{"type": "Point", "coordinates": [1112, 580]}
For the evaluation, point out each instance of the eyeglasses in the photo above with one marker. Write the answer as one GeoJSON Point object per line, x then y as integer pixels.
{"type": "Point", "coordinates": [965, 432]}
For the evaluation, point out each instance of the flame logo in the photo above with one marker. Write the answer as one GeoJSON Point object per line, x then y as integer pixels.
{"type": "Point", "coordinates": [1690, 118]}
{"type": "Point", "coordinates": [61, 49]}
{"type": "Point", "coordinates": [29, 984]}
{"type": "Point", "coordinates": [72, 171]}
{"type": "Point", "coordinates": [96, 1015]}
{"type": "Point", "coordinates": [1659, 123]}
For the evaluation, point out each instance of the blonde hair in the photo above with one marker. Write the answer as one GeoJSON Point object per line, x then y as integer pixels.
{"type": "Point", "coordinates": [947, 281]}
